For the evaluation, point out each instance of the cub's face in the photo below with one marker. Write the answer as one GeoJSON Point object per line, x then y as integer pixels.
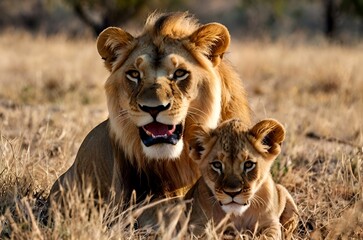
{"type": "Point", "coordinates": [160, 85]}
{"type": "Point", "coordinates": [234, 161]}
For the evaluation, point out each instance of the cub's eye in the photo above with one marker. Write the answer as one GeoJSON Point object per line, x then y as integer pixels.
{"type": "Point", "coordinates": [133, 75]}
{"type": "Point", "coordinates": [248, 166]}
{"type": "Point", "coordinates": [217, 166]}
{"type": "Point", "coordinates": [180, 74]}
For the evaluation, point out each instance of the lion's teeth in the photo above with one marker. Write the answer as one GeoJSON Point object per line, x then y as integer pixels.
{"type": "Point", "coordinates": [148, 132]}
{"type": "Point", "coordinates": [159, 136]}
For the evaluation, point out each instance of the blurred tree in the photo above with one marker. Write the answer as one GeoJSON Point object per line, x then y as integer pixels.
{"type": "Point", "coordinates": [333, 10]}
{"type": "Point", "coordinates": [353, 6]}
{"type": "Point", "coordinates": [263, 16]}
{"type": "Point", "coordinates": [330, 10]}
{"type": "Point", "coordinates": [99, 14]}
{"type": "Point", "coordinates": [277, 7]}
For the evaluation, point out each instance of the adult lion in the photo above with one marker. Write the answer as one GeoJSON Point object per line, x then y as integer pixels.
{"type": "Point", "coordinates": [161, 83]}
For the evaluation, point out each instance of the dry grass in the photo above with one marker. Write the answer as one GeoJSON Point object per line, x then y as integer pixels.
{"type": "Point", "coordinates": [51, 95]}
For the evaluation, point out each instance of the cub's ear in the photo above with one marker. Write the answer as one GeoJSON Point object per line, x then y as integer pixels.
{"type": "Point", "coordinates": [213, 40]}
{"type": "Point", "coordinates": [267, 137]}
{"type": "Point", "coordinates": [197, 143]}
{"type": "Point", "coordinates": [113, 42]}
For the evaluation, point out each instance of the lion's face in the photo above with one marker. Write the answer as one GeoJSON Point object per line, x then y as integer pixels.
{"type": "Point", "coordinates": [234, 161]}
{"type": "Point", "coordinates": [156, 96]}
{"type": "Point", "coordinates": [160, 83]}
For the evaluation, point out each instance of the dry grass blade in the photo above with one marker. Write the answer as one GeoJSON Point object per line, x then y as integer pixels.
{"type": "Point", "coordinates": [54, 95]}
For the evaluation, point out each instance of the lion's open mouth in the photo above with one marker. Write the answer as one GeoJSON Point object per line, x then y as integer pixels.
{"type": "Point", "coordinates": [155, 132]}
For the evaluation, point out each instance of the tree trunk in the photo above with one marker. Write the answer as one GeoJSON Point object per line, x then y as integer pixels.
{"type": "Point", "coordinates": [330, 18]}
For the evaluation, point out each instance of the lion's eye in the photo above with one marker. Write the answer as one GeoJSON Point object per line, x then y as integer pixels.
{"type": "Point", "coordinates": [217, 166]}
{"type": "Point", "coordinates": [248, 166]}
{"type": "Point", "coordinates": [133, 75]}
{"type": "Point", "coordinates": [180, 74]}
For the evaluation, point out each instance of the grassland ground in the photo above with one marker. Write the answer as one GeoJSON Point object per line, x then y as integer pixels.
{"type": "Point", "coordinates": [51, 96]}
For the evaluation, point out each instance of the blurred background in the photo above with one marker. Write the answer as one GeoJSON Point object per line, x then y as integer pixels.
{"type": "Point", "coordinates": [340, 20]}
{"type": "Point", "coordinates": [300, 61]}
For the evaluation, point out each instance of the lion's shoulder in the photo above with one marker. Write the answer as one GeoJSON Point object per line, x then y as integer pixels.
{"type": "Point", "coordinates": [97, 146]}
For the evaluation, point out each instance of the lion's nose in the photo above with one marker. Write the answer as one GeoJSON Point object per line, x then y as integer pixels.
{"type": "Point", "coordinates": [154, 111]}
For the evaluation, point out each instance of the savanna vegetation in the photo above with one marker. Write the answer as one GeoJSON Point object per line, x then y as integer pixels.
{"type": "Point", "coordinates": [52, 94]}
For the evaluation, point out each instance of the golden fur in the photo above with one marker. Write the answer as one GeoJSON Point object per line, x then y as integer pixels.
{"type": "Point", "coordinates": [236, 182]}
{"type": "Point", "coordinates": [171, 76]}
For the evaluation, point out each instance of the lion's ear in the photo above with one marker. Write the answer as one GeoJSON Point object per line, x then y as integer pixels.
{"type": "Point", "coordinates": [213, 40]}
{"type": "Point", "coordinates": [267, 136]}
{"type": "Point", "coordinates": [197, 143]}
{"type": "Point", "coordinates": [111, 43]}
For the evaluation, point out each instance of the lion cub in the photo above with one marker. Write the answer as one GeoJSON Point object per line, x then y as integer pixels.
{"type": "Point", "coordinates": [236, 183]}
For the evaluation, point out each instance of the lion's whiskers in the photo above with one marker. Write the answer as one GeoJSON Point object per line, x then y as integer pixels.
{"type": "Point", "coordinates": [195, 112]}
{"type": "Point", "coordinates": [122, 113]}
{"type": "Point", "coordinates": [214, 200]}
{"type": "Point", "coordinates": [257, 201]}
{"type": "Point", "coordinates": [123, 116]}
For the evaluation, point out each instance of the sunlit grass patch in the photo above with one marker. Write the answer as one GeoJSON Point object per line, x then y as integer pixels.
{"type": "Point", "coordinates": [52, 96]}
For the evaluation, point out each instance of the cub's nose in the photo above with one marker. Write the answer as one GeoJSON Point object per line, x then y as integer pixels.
{"type": "Point", "coordinates": [154, 111]}
{"type": "Point", "coordinates": [232, 192]}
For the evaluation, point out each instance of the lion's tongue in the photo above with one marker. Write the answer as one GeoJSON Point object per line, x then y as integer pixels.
{"type": "Point", "coordinates": [158, 129]}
